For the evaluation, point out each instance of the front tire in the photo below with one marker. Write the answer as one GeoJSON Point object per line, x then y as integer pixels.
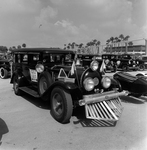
{"type": "Point", "coordinates": [3, 73]}
{"type": "Point", "coordinates": [61, 105]}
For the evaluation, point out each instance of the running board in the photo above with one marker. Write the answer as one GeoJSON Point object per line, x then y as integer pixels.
{"type": "Point", "coordinates": [109, 110]}
{"type": "Point", "coordinates": [29, 91]}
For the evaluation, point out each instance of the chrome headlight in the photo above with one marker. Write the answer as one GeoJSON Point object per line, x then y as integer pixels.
{"type": "Point", "coordinates": [106, 82]}
{"type": "Point", "coordinates": [96, 81]}
{"type": "Point", "coordinates": [39, 68]}
{"type": "Point", "coordinates": [94, 65]}
{"type": "Point", "coordinates": [89, 84]}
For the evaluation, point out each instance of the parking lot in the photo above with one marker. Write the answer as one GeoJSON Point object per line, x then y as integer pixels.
{"type": "Point", "coordinates": [26, 124]}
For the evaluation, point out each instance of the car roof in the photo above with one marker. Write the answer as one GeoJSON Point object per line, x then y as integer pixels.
{"type": "Point", "coordinates": [110, 54]}
{"type": "Point", "coordinates": [45, 50]}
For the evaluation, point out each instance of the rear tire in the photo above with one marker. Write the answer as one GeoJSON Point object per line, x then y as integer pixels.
{"type": "Point", "coordinates": [3, 73]}
{"type": "Point", "coordinates": [61, 105]}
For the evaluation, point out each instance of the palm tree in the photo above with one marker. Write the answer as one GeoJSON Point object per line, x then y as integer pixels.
{"type": "Point", "coordinates": [130, 43]}
{"type": "Point", "coordinates": [24, 45]}
{"type": "Point", "coordinates": [116, 42]}
{"type": "Point", "coordinates": [80, 45]}
{"type": "Point", "coordinates": [97, 45]}
{"type": "Point", "coordinates": [69, 46]}
{"type": "Point", "coordinates": [121, 37]}
{"type": "Point", "coordinates": [112, 41]}
{"type": "Point", "coordinates": [64, 46]}
{"type": "Point", "coordinates": [73, 45]}
{"type": "Point", "coordinates": [126, 43]}
{"type": "Point", "coordinates": [108, 43]}
{"type": "Point", "coordinates": [18, 47]}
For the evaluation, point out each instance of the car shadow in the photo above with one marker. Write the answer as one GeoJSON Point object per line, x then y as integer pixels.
{"type": "Point", "coordinates": [3, 129]}
{"type": "Point", "coordinates": [36, 101]}
{"type": "Point", "coordinates": [79, 113]}
{"type": "Point", "coordinates": [128, 99]}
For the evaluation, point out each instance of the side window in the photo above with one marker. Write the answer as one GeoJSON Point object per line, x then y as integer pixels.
{"type": "Point", "coordinates": [52, 58]}
{"type": "Point", "coordinates": [24, 58]}
{"type": "Point", "coordinates": [36, 57]}
{"type": "Point", "coordinates": [16, 58]}
{"type": "Point", "coordinates": [33, 58]}
{"type": "Point", "coordinates": [68, 57]}
{"type": "Point", "coordinates": [56, 58]}
{"type": "Point", "coordinates": [46, 58]}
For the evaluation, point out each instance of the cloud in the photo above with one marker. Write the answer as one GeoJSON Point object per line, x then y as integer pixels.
{"type": "Point", "coordinates": [68, 27]}
{"type": "Point", "coordinates": [57, 22]}
{"type": "Point", "coordinates": [46, 15]}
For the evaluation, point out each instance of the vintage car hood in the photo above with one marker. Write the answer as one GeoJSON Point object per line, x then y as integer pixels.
{"type": "Point", "coordinates": [67, 69]}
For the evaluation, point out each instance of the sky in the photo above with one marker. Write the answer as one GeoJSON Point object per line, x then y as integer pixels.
{"type": "Point", "coordinates": [53, 23]}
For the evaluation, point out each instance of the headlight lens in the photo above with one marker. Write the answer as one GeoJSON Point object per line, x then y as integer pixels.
{"type": "Point", "coordinates": [96, 81]}
{"type": "Point", "coordinates": [106, 82]}
{"type": "Point", "coordinates": [89, 84]}
{"type": "Point", "coordinates": [94, 65]}
{"type": "Point", "coordinates": [39, 68]}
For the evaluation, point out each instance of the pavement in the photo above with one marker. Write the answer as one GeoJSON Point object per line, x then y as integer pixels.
{"type": "Point", "coordinates": [26, 124]}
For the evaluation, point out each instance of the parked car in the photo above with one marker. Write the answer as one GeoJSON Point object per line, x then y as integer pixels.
{"type": "Point", "coordinates": [127, 62]}
{"type": "Point", "coordinates": [120, 62]}
{"type": "Point", "coordinates": [110, 62]}
{"type": "Point", "coordinates": [53, 75]}
{"type": "Point", "coordinates": [5, 70]}
{"type": "Point", "coordinates": [142, 63]}
{"type": "Point", "coordinates": [136, 85]}
{"type": "Point", "coordinates": [86, 59]}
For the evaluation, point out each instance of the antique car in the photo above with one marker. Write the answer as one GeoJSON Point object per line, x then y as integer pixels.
{"type": "Point", "coordinates": [86, 59]}
{"type": "Point", "coordinates": [120, 62]}
{"type": "Point", "coordinates": [110, 62]}
{"type": "Point", "coordinates": [142, 63]}
{"type": "Point", "coordinates": [5, 70]}
{"type": "Point", "coordinates": [136, 85]}
{"type": "Point", "coordinates": [127, 62]}
{"type": "Point", "coordinates": [54, 75]}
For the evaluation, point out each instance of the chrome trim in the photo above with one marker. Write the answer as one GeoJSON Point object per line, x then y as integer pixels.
{"type": "Point", "coordinates": [94, 98]}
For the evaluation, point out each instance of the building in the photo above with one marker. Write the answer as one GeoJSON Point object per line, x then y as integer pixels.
{"type": "Point", "coordinates": [135, 49]}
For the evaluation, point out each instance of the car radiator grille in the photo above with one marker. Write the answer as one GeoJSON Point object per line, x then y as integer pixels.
{"type": "Point", "coordinates": [109, 110]}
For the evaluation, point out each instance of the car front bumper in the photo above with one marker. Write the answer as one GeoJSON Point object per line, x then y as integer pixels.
{"type": "Point", "coordinates": [106, 106]}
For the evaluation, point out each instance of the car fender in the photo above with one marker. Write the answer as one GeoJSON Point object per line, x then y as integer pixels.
{"type": "Point", "coordinates": [69, 87]}
{"type": "Point", "coordinates": [20, 75]}
{"type": "Point", "coordinates": [116, 84]}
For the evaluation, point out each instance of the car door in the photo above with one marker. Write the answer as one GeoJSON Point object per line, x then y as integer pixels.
{"type": "Point", "coordinates": [34, 58]}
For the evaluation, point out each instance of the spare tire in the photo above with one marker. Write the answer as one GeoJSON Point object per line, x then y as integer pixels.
{"type": "Point", "coordinates": [3, 73]}
{"type": "Point", "coordinates": [44, 81]}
